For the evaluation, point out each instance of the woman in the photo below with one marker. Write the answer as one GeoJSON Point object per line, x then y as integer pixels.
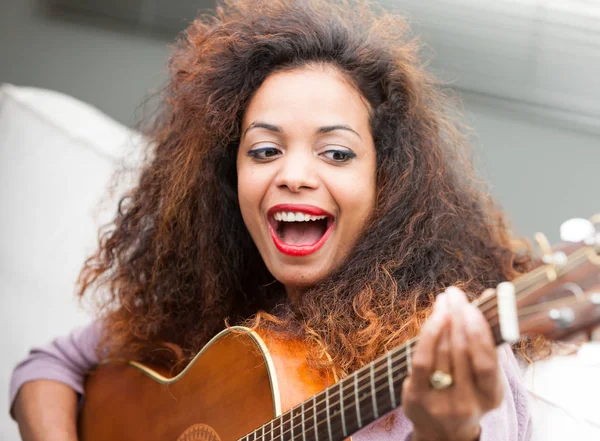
{"type": "Point", "coordinates": [307, 173]}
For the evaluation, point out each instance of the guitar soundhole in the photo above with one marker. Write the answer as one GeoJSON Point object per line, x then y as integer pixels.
{"type": "Point", "coordinates": [199, 432]}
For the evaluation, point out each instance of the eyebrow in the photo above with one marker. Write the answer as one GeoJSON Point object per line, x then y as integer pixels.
{"type": "Point", "coordinates": [277, 129]}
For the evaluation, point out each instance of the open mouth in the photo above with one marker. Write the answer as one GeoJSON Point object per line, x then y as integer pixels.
{"type": "Point", "coordinates": [299, 232]}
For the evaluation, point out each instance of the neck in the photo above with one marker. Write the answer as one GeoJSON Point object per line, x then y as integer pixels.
{"type": "Point", "coordinates": [293, 293]}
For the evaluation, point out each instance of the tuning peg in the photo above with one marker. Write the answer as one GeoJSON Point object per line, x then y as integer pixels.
{"type": "Point", "coordinates": [577, 230]}
{"type": "Point", "coordinates": [554, 260]}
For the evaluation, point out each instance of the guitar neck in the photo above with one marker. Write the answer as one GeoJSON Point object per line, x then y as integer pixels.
{"type": "Point", "coordinates": [375, 389]}
{"type": "Point", "coordinates": [347, 406]}
{"type": "Point", "coordinates": [354, 402]}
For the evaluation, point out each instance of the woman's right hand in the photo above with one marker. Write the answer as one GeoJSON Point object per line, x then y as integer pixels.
{"type": "Point", "coordinates": [46, 410]}
{"type": "Point", "coordinates": [456, 341]}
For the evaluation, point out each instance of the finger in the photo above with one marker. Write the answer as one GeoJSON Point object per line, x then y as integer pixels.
{"type": "Point", "coordinates": [424, 355]}
{"type": "Point", "coordinates": [461, 364]}
{"type": "Point", "coordinates": [443, 357]}
{"type": "Point", "coordinates": [486, 295]}
{"type": "Point", "coordinates": [483, 357]}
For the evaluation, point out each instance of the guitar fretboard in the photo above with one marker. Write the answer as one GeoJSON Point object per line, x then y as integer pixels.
{"type": "Point", "coordinates": [347, 406]}
{"type": "Point", "coordinates": [375, 389]}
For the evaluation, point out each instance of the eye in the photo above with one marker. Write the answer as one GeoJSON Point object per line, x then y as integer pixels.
{"type": "Point", "coordinates": [264, 153]}
{"type": "Point", "coordinates": [339, 155]}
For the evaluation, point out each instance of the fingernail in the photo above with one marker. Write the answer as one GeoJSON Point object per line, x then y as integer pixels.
{"type": "Point", "coordinates": [455, 297]}
{"type": "Point", "coordinates": [441, 302]}
{"type": "Point", "coordinates": [453, 291]}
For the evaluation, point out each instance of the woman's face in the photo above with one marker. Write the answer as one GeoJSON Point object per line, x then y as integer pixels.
{"type": "Point", "coordinates": [306, 172]}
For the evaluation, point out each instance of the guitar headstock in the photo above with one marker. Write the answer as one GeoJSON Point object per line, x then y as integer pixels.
{"type": "Point", "coordinates": [561, 319]}
{"type": "Point", "coordinates": [558, 298]}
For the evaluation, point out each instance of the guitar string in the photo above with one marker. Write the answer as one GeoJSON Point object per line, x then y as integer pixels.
{"type": "Point", "coordinates": [357, 393]}
{"type": "Point", "coordinates": [486, 305]}
{"type": "Point", "coordinates": [402, 355]}
{"type": "Point", "coordinates": [526, 281]}
{"type": "Point", "coordinates": [367, 415]}
{"type": "Point", "coordinates": [532, 309]}
{"type": "Point", "coordinates": [320, 412]}
{"type": "Point", "coordinates": [530, 280]}
{"type": "Point", "coordinates": [573, 264]}
{"type": "Point", "coordinates": [324, 410]}
{"type": "Point", "coordinates": [380, 375]}
{"type": "Point", "coordinates": [539, 275]}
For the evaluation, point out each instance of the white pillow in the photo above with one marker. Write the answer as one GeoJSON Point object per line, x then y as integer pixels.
{"type": "Point", "coordinates": [564, 392]}
{"type": "Point", "coordinates": [57, 157]}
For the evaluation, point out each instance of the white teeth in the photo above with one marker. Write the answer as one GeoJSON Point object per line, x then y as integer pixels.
{"type": "Point", "coordinates": [289, 216]}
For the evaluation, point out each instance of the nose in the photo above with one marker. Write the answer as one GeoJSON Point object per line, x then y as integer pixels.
{"type": "Point", "coordinates": [297, 171]}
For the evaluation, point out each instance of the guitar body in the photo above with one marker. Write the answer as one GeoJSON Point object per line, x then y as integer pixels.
{"type": "Point", "coordinates": [238, 382]}
{"type": "Point", "coordinates": [242, 381]}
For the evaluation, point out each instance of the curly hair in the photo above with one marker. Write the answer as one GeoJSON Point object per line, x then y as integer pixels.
{"type": "Point", "coordinates": [178, 261]}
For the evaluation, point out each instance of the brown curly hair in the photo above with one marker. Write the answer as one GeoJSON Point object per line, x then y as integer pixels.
{"type": "Point", "coordinates": [178, 261]}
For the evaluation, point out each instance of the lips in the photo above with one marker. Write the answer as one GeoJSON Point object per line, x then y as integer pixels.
{"type": "Point", "coordinates": [298, 229]}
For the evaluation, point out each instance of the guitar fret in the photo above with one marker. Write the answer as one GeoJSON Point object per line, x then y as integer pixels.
{"type": "Point", "coordinates": [391, 380]}
{"type": "Point", "coordinates": [281, 426]}
{"type": "Point", "coordinates": [327, 412]}
{"type": "Point", "coordinates": [373, 394]}
{"type": "Point", "coordinates": [342, 409]}
{"type": "Point", "coordinates": [408, 359]}
{"type": "Point", "coordinates": [373, 380]}
{"type": "Point", "coordinates": [356, 401]}
{"type": "Point", "coordinates": [314, 400]}
{"type": "Point", "coordinates": [303, 431]}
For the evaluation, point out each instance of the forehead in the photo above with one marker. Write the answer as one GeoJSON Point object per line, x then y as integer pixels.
{"type": "Point", "coordinates": [308, 96]}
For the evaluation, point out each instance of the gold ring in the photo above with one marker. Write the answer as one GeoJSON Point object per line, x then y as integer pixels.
{"type": "Point", "coordinates": [440, 380]}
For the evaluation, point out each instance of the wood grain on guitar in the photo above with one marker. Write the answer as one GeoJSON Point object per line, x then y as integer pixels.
{"type": "Point", "coordinates": [251, 387]}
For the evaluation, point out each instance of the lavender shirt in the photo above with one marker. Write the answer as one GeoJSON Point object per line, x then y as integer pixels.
{"type": "Point", "coordinates": [68, 358]}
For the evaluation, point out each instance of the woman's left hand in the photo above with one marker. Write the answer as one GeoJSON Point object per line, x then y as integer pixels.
{"type": "Point", "coordinates": [455, 340]}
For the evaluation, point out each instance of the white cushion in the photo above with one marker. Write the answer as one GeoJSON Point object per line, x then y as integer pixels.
{"type": "Point", "coordinates": [57, 157]}
{"type": "Point", "coordinates": [565, 396]}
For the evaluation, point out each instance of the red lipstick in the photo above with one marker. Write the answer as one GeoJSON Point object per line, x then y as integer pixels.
{"type": "Point", "coordinates": [298, 250]}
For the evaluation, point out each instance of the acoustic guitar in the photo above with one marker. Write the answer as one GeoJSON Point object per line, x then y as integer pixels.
{"type": "Point", "coordinates": [255, 387]}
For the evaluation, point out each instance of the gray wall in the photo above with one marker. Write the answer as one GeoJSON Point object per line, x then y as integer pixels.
{"type": "Point", "coordinates": [109, 68]}
{"type": "Point", "coordinates": [541, 171]}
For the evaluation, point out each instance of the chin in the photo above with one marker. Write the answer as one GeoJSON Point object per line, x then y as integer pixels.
{"type": "Point", "coordinates": [300, 279]}
{"type": "Point", "coordinates": [300, 282]}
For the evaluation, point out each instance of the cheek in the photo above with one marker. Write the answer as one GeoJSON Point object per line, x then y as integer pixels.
{"type": "Point", "coordinates": [251, 191]}
{"type": "Point", "coordinates": [245, 196]}
{"type": "Point", "coordinates": [355, 195]}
